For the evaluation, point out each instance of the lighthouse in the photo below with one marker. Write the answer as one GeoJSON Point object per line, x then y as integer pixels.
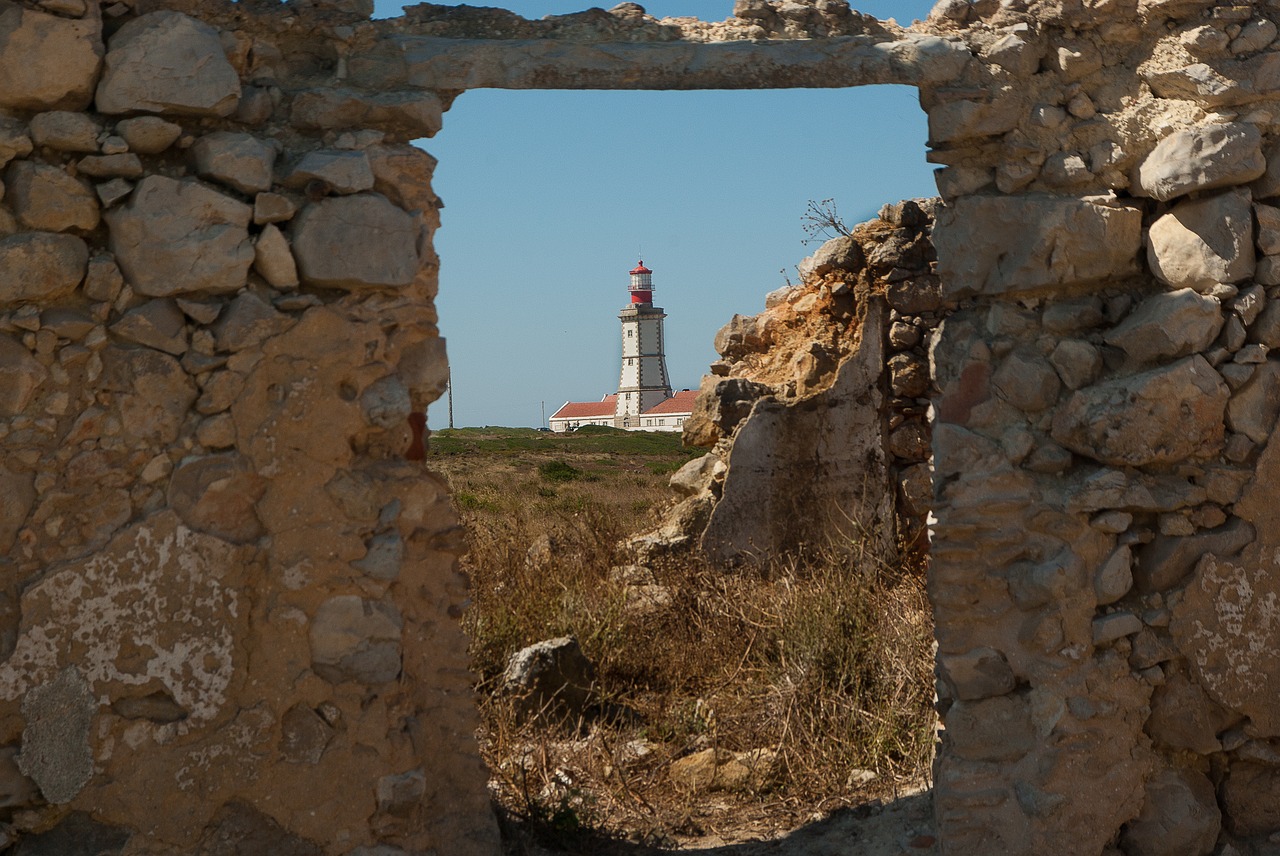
{"type": "Point", "coordinates": [643, 381]}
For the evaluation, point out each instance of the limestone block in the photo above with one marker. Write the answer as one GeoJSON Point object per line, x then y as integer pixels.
{"type": "Point", "coordinates": [46, 198]}
{"type": "Point", "coordinates": [1253, 408]}
{"type": "Point", "coordinates": [342, 172]}
{"type": "Point", "coordinates": [150, 392]}
{"type": "Point", "coordinates": [908, 375]}
{"type": "Point", "coordinates": [1202, 242]}
{"type": "Point", "coordinates": [354, 639]}
{"type": "Point", "coordinates": [1169, 325]}
{"type": "Point", "coordinates": [1183, 717]}
{"type": "Point", "coordinates": [304, 735]}
{"type": "Point", "coordinates": [419, 114]}
{"type": "Point", "coordinates": [552, 678]}
{"type": "Point", "coordinates": [1077, 362]}
{"type": "Point", "coordinates": [21, 375]}
{"type": "Point", "coordinates": [994, 729]}
{"type": "Point", "coordinates": [1164, 415]}
{"type": "Point", "coordinates": [273, 260]}
{"type": "Point", "coordinates": [126, 165]}
{"type": "Point", "coordinates": [65, 131]}
{"type": "Point", "coordinates": [174, 237]}
{"type": "Point", "coordinates": [17, 491]}
{"type": "Point", "coordinates": [149, 135]}
{"type": "Point", "coordinates": [355, 242]}
{"type": "Point", "coordinates": [1114, 579]}
{"type": "Point", "coordinates": [725, 770]}
{"type": "Point", "coordinates": [15, 140]}
{"type": "Point", "coordinates": [1203, 158]}
{"type": "Point", "coordinates": [1005, 245]}
{"type": "Point", "coordinates": [1251, 799]}
{"type": "Point", "coordinates": [977, 674]}
{"type": "Point", "coordinates": [273, 208]}
{"type": "Point", "coordinates": [247, 322]}
{"type": "Point", "coordinates": [1027, 382]}
{"type": "Point", "coordinates": [1179, 817]}
{"type": "Point", "coordinates": [384, 558]}
{"type": "Point", "coordinates": [1166, 561]}
{"type": "Point", "coordinates": [40, 266]}
{"type": "Point", "coordinates": [157, 324]}
{"type": "Point", "coordinates": [1268, 186]}
{"type": "Point", "coordinates": [839, 253]}
{"type": "Point", "coordinates": [167, 62]}
{"type": "Point", "coordinates": [1109, 628]}
{"type": "Point", "coordinates": [217, 495]}
{"type": "Point", "coordinates": [964, 119]}
{"type": "Point", "coordinates": [103, 279]}
{"type": "Point", "coordinates": [386, 403]}
{"type": "Point", "coordinates": [238, 160]}
{"type": "Point", "coordinates": [48, 62]}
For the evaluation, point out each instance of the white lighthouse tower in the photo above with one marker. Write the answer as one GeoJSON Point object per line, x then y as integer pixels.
{"type": "Point", "coordinates": [643, 382]}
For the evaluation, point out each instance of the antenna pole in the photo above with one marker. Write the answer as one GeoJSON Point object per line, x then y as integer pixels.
{"type": "Point", "coordinates": [450, 398]}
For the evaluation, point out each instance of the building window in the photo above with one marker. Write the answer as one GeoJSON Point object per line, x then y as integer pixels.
{"type": "Point", "coordinates": [630, 333]}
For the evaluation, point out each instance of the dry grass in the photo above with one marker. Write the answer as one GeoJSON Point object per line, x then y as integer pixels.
{"type": "Point", "coordinates": [826, 661]}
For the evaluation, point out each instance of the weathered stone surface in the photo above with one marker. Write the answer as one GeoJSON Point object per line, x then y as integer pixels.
{"type": "Point", "coordinates": [304, 735]}
{"type": "Point", "coordinates": [725, 770]}
{"type": "Point", "coordinates": [238, 828]}
{"type": "Point", "coordinates": [273, 208]}
{"type": "Point", "coordinates": [247, 322]}
{"type": "Point", "coordinates": [77, 835]}
{"type": "Point", "coordinates": [398, 795]}
{"type": "Point", "coordinates": [1202, 242]}
{"type": "Point", "coordinates": [1027, 382]}
{"type": "Point", "coordinates": [1159, 416]}
{"type": "Point", "coordinates": [1006, 245]}
{"type": "Point", "coordinates": [217, 495]}
{"type": "Point", "coordinates": [341, 172]}
{"type": "Point", "coordinates": [1078, 363]}
{"type": "Point", "coordinates": [1116, 625]}
{"type": "Point", "coordinates": [1251, 799]}
{"type": "Point", "coordinates": [1165, 562]}
{"type": "Point", "coordinates": [1202, 158]}
{"type": "Point", "coordinates": [552, 679]}
{"type": "Point", "coordinates": [1114, 579]}
{"type": "Point", "coordinates": [977, 674]}
{"type": "Point", "coordinates": [325, 232]}
{"type": "Point", "coordinates": [33, 81]}
{"type": "Point", "coordinates": [994, 729]}
{"type": "Point", "coordinates": [273, 260]}
{"type": "Point", "coordinates": [17, 494]}
{"type": "Point", "coordinates": [241, 161]}
{"type": "Point", "coordinates": [46, 198]}
{"type": "Point", "coordinates": [1168, 325]}
{"type": "Point", "coordinates": [1184, 717]}
{"type": "Point", "coordinates": [1179, 817]}
{"type": "Point", "coordinates": [355, 639]}
{"type": "Point", "coordinates": [174, 237]}
{"type": "Point", "coordinates": [55, 742]}
{"type": "Point", "coordinates": [157, 324]}
{"type": "Point", "coordinates": [1253, 408]}
{"type": "Point", "coordinates": [150, 391]}
{"type": "Point", "coordinates": [20, 376]}
{"type": "Point", "coordinates": [40, 266]}
{"type": "Point", "coordinates": [167, 62]}
{"type": "Point", "coordinates": [125, 165]}
{"type": "Point", "coordinates": [149, 135]}
{"type": "Point", "coordinates": [65, 131]}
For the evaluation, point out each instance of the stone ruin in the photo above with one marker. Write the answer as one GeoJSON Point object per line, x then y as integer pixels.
{"type": "Point", "coordinates": [229, 588]}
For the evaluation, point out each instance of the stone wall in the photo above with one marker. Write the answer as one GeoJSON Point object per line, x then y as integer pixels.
{"type": "Point", "coordinates": [229, 594]}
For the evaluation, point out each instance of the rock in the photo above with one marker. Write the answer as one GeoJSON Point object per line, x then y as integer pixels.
{"type": "Point", "coordinates": [1168, 325]}
{"type": "Point", "coordinates": [17, 495]}
{"type": "Point", "coordinates": [16, 790]}
{"type": "Point", "coordinates": [33, 79]}
{"type": "Point", "coordinates": [40, 266]}
{"type": "Point", "coordinates": [65, 131]}
{"type": "Point", "coordinates": [1251, 799]}
{"type": "Point", "coordinates": [1008, 244]}
{"type": "Point", "coordinates": [241, 161]}
{"type": "Point", "coordinates": [1179, 816]}
{"type": "Point", "coordinates": [1183, 717]}
{"type": "Point", "coordinates": [238, 828]}
{"type": "Point", "coordinates": [551, 679]}
{"type": "Point", "coordinates": [744, 334]}
{"type": "Point", "coordinates": [909, 376]}
{"type": "Point", "coordinates": [167, 62]}
{"type": "Point", "coordinates": [1266, 330]}
{"type": "Point", "coordinates": [1027, 382]}
{"type": "Point", "coordinates": [399, 795]}
{"type": "Point", "coordinates": [15, 140]}
{"type": "Point", "coordinates": [994, 729]}
{"type": "Point", "coordinates": [1114, 579]}
{"type": "Point", "coordinates": [272, 208]}
{"type": "Point", "coordinates": [157, 324]}
{"type": "Point", "coordinates": [1164, 562]}
{"type": "Point", "coordinates": [324, 231]}
{"type": "Point", "coordinates": [384, 557]}
{"type": "Point", "coordinates": [78, 834]}
{"type": "Point", "coordinates": [696, 476]}
{"type": "Point", "coordinates": [1202, 158]}
{"type": "Point", "coordinates": [273, 260]}
{"type": "Point", "coordinates": [1205, 241]}
{"type": "Point", "coordinates": [55, 740]}
{"type": "Point", "coordinates": [1117, 625]}
{"type": "Point", "coordinates": [149, 135]}
{"type": "Point", "coordinates": [1164, 415]}
{"type": "Point", "coordinates": [840, 253]}
{"type": "Point", "coordinates": [725, 770]}
{"type": "Point", "coordinates": [355, 639]}
{"type": "Point", "coordinates": [247, 322]}
{"type": "Point", "coordinates": [46, 198]}
{"type": "Point", "coordinates": [111, 166]}
{"type": "Point", "coordinates": [174, 237]}
{"type": "Point", "coordinates": [304, 735]}
{"type": "Point", "coordinates": [1254, 36]}
{"type": "Point", "coordinates": [103, 280]}
{"type": "Point", "coordinates": [150, 390]}
{"type": "Point", "coordinates": [20, 376]}
{"type": "Point", "coordinates": [977, 674]}
{"type": "Point", "coordinates": [1252, 410]}
{"type": "Point", "coordinates": [1078, 363]}
{"type": "Point", "coordinates": [156, 707]}
{"type": "Point", "coordinates": [218, 495]}
{"type": "Point", "coordinates": [342, 172]}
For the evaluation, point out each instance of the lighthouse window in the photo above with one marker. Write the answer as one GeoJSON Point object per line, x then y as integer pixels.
{"type": "Point", "coordinates": [630, 333]}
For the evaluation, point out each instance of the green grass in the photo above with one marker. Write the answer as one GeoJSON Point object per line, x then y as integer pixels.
{"type": "Point", "coordinates": [590, 439]}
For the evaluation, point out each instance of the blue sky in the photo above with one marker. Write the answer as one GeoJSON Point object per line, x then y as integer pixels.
{"type": "Point", "coordinates": [551, 197]}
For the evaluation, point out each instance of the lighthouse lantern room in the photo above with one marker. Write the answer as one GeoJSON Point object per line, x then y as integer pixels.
{"type": "Point", "coordinates": [643, 381]}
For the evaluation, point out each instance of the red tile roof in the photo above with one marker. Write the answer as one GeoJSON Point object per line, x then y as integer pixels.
{"type": "Point", "coordinates": [587, 409]}
{"type": "Point", "coordinates": [681, 402]}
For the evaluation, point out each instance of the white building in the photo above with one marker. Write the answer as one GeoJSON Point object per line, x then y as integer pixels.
{"type": "Point", "coordinates": [644, 400]}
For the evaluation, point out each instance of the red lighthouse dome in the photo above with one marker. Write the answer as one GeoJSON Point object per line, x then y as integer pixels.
{"type": "Point", "coordinates": [641, 284]}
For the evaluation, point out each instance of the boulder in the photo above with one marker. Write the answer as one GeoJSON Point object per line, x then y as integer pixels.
{"type": "Point", "coordinates": [149, 135]}
{"type": "Point", "coordinates": [1078, 363]}
{"type": "Point", "coordinates": [1009, 244]}
{"type": "Point", "coordinates": [168, 62]}
{"type": "Point", "coordinates": [40, 266]}
{"type": "Point", "coordinates": [552, 679]}
{"type": "Point", "coordinates": [325, 233]}
{"type": "Point", "coordinates": [1026, 381]}
{"type": "Point", "coordinates": [157, 324]}
{"type": "Point", "coordinates": [65, 131]}
{"type": "Point", "coordinates": [1169, 325]}
{"type": "Point", "coordinates": [47, 62]}
{"type": "Point", "coordinates": [174, 237]}
{"type": "Point", "coordinates": [1202, 158]}
{"type": "Point", "coordinates": [241, 161]}
{"type": "Point", "coordinates": [340, 171]}
{"type": "Point", "coordinates": [48, 199]}
{"type": "Point", "coordinates": [355, 639]}
{"type": "Point", "coordinates": [1160, 416]}
{"type": "Point", "coordinates": [1179, 817]}
{"type": "Point", "coordinates": [1203, 242]}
